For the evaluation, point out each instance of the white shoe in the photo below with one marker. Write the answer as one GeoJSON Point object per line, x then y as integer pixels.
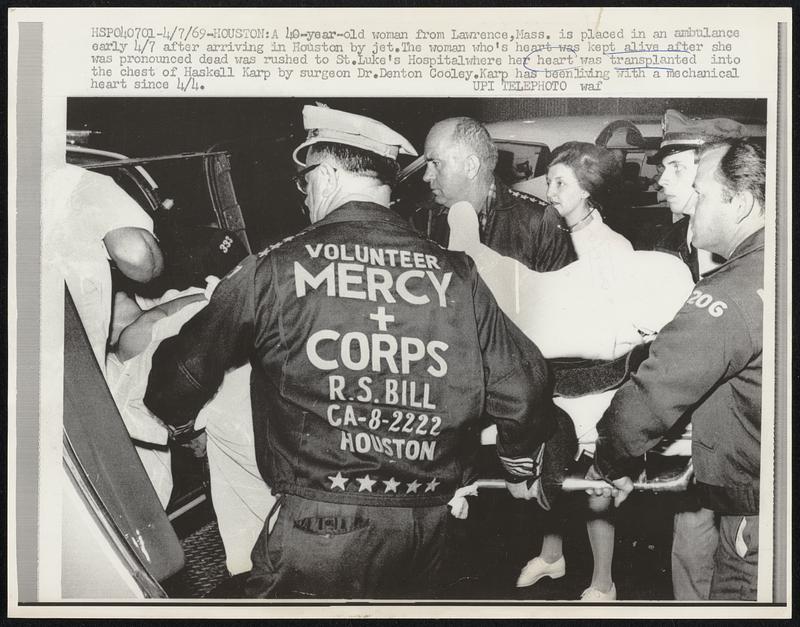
{"type": "Point", "coordinates": [538, 568]}
{"type": "Point", "coordinates": [594, 595]}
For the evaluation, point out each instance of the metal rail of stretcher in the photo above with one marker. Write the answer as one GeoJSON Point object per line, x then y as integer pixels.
{"type": "Point", "coordinates": [675, 483]}
{"type": "Point", "coordinates": [663, 483]}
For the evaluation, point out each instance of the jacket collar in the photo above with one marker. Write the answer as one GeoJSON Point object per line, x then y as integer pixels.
{"type": "Point", "coordinates": [501, 200]}
{"type": "Point", "coordinates": [360, 211]}
{"type": "Point", "coordinates": [753, 243]}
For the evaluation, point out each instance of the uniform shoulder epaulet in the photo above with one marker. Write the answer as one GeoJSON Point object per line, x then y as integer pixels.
{"type": "Point", "coordinates": [437, 244]}
{"type": "Point", "coordinates": [266, 251]}
{"type": "Point", "coordinates": [528, 197]}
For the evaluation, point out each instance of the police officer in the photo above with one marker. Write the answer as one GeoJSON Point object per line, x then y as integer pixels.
{"type": "Point", "coordinates": [695, 535]}
{"type": "Point", "coordinates": [461, 159]}
{"type": "Point", "coordinates": [707, 362]}
{"type": "Point", "coordinates": [677, 156]}
{"type": "Point", "coordinates": [375, 353]}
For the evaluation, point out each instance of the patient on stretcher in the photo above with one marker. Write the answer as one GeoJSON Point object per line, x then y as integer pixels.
{"type": "Point", "coordinates": [240, 497]}
{"type": "Point", "coordinates": [135, 335]}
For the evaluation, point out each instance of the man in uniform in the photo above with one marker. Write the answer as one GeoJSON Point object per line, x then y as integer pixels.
{"type": "Point", "coordinates": [707, 362]}
{"type": "Point", "coordinates": [461, 160]}
{"type": "Point", "coordinates": [695, 534]}
{"type": "Point", "coordinates": [677, 156]}
{"type": "Point", "coordinates": [375, 353]}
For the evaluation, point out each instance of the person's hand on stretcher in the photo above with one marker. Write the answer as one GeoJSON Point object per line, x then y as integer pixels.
{"type": "Point", "coordinates": [619, 488]}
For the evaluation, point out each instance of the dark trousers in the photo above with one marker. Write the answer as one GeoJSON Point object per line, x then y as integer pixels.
{"type": "Point", "coordinates": [332, 550]}
{"type": "Point", "coordinates": [736, 560]}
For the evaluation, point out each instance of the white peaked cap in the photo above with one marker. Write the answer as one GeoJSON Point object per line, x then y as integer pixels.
{"type": "Point", "coordinates": [340, 127]}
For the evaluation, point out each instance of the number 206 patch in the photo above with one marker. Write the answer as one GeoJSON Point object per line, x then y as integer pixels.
{"type": "Point", "coordinates": [706, 301]}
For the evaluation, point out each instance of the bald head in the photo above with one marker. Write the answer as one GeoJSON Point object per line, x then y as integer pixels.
{"type": "Point", "coordinates": [461, 160]}
{"type": "Point", "coordinates": [472, 135]}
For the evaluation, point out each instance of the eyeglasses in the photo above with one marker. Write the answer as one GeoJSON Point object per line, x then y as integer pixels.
{"type": "Point", "coordinates": [300, 178]}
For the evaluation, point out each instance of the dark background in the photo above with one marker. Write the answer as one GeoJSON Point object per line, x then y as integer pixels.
{"type": "Point", "coordinates": [150, 126]}
{"type": "Point", "coordinates": [260, 134]}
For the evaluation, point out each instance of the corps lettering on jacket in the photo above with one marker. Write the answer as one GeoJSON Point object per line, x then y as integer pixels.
{"type": "Point", "coordinates": [358, 351]}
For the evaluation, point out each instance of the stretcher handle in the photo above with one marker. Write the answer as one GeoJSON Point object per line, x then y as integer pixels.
{"type": "Point", "coordinates": [675, 483]}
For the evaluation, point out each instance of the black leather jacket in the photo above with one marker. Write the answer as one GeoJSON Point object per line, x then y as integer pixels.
{"type": "Point", "coordinates": [375, 353]}
{"type": "Point", "coordinates": [521, 227]}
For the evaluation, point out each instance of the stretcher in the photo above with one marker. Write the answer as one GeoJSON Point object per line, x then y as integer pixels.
{"type": "Point", "coordinates": [585, 412]}
{"type": "Point", "coordinates": [584, 392]}
{"type": "Point", "coordinates": [591, 352]}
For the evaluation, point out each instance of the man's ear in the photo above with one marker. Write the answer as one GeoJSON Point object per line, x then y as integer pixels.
{"type": "Point", "coordinates": [744, 203]}
{"type": "Point", "coordinates": [331, 179]}
{"type": "Point", "coordinates": [472, 165]}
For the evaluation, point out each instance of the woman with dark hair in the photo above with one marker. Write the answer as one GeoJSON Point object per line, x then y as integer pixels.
{"type": "Point", "coordinates": [581, 182]}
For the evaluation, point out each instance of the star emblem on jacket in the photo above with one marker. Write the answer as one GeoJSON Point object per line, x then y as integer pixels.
{"type": "Point", "coordinates": [365, 483]}
{"type": "Point", "coordinates": [391, 485]}
{"type": "Point", "coordinates": [413, 487]}
{"type": "Point", "coordinates": [337, 481]}
{"type": "Point", "coordinates": [431, 485]}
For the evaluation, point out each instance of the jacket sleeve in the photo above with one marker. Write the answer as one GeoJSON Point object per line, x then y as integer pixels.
{"type": "Point", "coordinates": [518, 392]}
{"type": "Point", "coordinates": [692, 355]}
{"type": "Point", "coordinates": [553, 247]}
{"type": "Point", "coordinates": [188, 368]}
